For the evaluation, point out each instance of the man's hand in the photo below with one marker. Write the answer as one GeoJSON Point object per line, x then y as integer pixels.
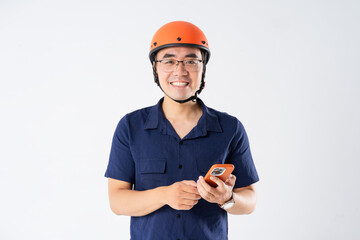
{"type": "Point", "coordinates": [221, 194]}
{"type": "Point", "coordinates": [182, 195]}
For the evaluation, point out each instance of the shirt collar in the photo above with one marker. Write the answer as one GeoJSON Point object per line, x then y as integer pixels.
{"type": "Point", "coordinates": [153, 117]}
{"type": "Point", "coordinates": [208, 120]}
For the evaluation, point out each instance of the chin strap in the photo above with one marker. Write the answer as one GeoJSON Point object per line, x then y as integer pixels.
{"type": "Point", "coordinates": [192, 98]}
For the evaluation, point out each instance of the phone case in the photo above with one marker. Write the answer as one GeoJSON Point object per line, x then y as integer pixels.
{"type": "Point", "coordinates": [223, 172]}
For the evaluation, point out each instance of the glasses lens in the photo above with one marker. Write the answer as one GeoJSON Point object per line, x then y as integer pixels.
{"type": "Point", "coordinates": [168, 65]}
{"type": "Point", "coordinates": [192, 65]}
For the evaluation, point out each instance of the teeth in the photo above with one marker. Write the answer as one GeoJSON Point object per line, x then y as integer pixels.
{"type": "Point", "coordinates": [181, 84]}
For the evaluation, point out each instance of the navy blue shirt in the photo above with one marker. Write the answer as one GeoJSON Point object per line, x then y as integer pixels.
{"type": "Point", "coordinates": [147, 152]}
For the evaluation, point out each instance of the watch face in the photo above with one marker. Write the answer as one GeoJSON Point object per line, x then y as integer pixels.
{"type": "Point", "coordinates": [228, 204]}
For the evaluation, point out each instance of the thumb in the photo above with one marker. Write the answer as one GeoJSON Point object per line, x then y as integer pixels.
{"type": "Point", "coordinates": [231, 180]}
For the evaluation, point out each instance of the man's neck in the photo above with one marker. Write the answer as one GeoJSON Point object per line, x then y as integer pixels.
{"type": "Point", "coordinates": [174, 111]}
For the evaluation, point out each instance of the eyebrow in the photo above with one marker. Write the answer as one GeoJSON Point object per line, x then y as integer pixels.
{"type": "Point", "coordinates": [191, 55]}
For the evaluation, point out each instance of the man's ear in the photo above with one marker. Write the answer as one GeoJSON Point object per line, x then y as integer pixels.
{"type": "Point", "coordinates": [154, 68]}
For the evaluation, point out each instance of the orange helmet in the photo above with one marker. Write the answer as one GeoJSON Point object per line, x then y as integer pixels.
{"type": "Point", "coordinates": [179, 33]}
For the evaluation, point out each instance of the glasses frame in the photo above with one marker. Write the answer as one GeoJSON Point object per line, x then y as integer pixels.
{"type": "Point", "coordinates": [177, 63]}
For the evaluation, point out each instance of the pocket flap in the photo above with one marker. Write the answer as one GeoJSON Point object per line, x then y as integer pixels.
{"type": "Point", "coordinates": [152, 165]}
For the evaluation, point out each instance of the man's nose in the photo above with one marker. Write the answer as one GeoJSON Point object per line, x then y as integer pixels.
{"type": "Point", "coordinates": [180, 69]}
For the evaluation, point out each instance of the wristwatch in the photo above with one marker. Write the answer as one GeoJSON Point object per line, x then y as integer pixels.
{"type": "Point", "coordinates": [228, 204]}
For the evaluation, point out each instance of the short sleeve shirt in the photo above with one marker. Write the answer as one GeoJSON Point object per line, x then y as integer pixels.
{"type": "Point", "coordinates": [147, 152]}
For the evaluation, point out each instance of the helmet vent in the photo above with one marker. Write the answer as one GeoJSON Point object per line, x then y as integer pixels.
{"type": "Point", "coordinates": [179, 39]}
{"type": "Point", "coordinates": [155, 43]}
{"type": "Point", "coordinates": [203, 42]}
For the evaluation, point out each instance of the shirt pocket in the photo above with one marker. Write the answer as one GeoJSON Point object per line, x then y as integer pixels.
{"type": "Point", "coordinates": [152, 173]}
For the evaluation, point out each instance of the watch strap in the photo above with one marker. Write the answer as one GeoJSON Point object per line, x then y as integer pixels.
{"type": "Point", "coordinates": [231, 200]}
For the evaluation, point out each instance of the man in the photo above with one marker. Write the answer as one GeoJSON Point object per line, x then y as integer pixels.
{"type": "Point", "coordinates": [160, 154]}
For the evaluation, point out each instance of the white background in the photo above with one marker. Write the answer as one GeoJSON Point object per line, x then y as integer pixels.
{"type": "Point", "coordinates": [69, 70]}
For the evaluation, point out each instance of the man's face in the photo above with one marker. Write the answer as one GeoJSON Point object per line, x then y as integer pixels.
{"type": "Point", "coordinates": [179, 84]}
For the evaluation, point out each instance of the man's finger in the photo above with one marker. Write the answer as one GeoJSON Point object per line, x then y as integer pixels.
{"type": "Point", "coordinates": [191, 196]}
{"type": "Point", "coordinates": [190, 188]}
{"type": "Point", "coordinates": [205, 185]}
{"type": "Point", "coordinates": [204, 193]}
{"type": "Point", "coordinates": [217, 180]}
{"type": "Point", "coordinates": [231, 180]}
{"type": "Point", "coordinates": [194, 194]}
{"type": "Point", "coordinates": [189, 182]}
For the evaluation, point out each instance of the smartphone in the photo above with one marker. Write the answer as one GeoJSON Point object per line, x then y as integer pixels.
{"type": "Point", "coordinates": [221, 171]}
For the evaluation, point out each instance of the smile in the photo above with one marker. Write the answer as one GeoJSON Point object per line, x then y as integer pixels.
{"type": "Point", "coordinates": [179, 84]}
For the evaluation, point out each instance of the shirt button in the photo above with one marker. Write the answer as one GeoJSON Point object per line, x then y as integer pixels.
{"type": "Point", "coordinates": [180, 166]}
{"type": "Point", "coordinates": [178, 215]}
{"type": "Point", "coordinates": [181, 142]}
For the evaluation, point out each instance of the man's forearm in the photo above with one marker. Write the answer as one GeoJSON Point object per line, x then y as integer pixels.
{"type": "Point", "coordinates": [245, 202]}
{"type": "Point", "coordinates": [136, 203]}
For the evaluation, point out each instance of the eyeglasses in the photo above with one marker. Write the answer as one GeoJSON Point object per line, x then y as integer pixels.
{"type": "Point", "coordinates": [170, 65]}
